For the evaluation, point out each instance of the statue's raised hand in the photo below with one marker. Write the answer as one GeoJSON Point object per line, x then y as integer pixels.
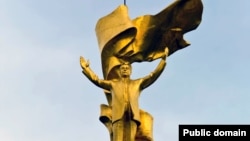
{"type": "Point", "coordinates": [84, 64]}
{"type": "Point", "coordinates": [165, 55]}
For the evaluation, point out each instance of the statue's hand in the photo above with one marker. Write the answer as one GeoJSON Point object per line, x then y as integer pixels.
{"type": "Point", "coordinates": [165, 55]}
{"type": "Point", "coordinates": [84, 64]}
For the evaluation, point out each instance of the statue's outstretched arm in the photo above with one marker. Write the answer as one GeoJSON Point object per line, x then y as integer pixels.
{"type": "Point", "coordinates": [152, 77]}
{"type": "Point", "coordinates": [86, 70]}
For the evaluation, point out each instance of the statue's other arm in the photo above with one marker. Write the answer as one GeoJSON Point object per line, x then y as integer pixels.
{"type": "Point", "coordinates": [152, 77]}
{"type": "Point", "coordinates": [86, 70]}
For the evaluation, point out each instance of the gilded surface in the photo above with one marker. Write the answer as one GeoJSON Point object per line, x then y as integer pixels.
{"type": "Point", "coordinates": [123, 41]}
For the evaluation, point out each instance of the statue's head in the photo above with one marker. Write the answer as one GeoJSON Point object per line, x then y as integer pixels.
{"type": "Point", "coordinates": [125, 69]}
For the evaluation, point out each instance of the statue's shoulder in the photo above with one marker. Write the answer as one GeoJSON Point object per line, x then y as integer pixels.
{"type": "Point", "coordinates": [137, 80]}
{"type": "Point", "coordinates": [114, 80]}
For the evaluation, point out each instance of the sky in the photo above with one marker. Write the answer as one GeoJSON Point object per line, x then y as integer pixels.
{"type": "Point", "coordinates": [45, 97]}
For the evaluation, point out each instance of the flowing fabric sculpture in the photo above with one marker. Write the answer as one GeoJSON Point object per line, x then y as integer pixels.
{"type": "Point", "coordinates": [144, 38]}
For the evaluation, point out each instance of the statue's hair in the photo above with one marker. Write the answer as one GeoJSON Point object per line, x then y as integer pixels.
{"type": "Point", "coordinates": [126, 63]}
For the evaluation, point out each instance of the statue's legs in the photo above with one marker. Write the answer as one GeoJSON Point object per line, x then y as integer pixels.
{"type": "Point", "coordinates": [144, 132]}
{"type": "Point", "coordinates": [124, 130]}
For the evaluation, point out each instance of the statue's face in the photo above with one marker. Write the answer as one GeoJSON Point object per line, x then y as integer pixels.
{"type": "Point", "coordinates": [125, 70]}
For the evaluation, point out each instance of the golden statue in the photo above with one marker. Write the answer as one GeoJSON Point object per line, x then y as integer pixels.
{"type": "Point", "coordinates": [125, 94]}
{"type": "Point", "coordinates": [123, 41]}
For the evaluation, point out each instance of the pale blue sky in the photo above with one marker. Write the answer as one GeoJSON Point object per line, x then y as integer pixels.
{"type": "Point", "coordinates": [45, 97]}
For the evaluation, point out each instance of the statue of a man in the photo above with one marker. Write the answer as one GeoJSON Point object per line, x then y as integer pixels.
{"type": "Point", "coordinates": [125, 94]}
